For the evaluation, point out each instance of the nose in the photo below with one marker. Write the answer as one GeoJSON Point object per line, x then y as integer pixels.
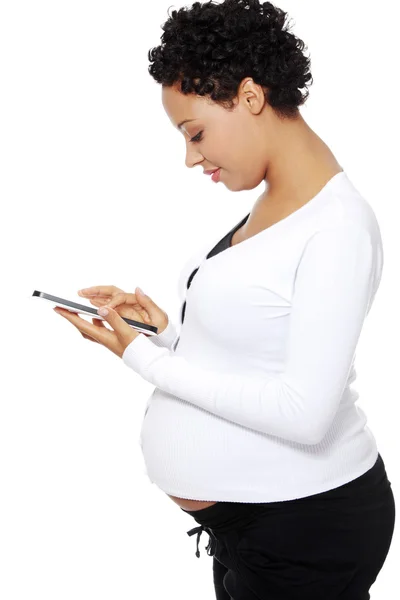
{"type": "Point", "coordinates": [193, 157]}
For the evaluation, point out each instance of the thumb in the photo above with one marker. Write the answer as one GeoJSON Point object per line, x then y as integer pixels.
{"type": "Point", "coordinates": [147, 303]}
{"type": "Point", "coordinates": [123, 331]}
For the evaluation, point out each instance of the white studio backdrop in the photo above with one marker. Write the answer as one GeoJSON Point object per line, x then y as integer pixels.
{"type": "Point", "coordinates": [94, 191]}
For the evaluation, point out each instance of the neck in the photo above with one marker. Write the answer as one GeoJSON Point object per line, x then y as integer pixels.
{"type": "Point", "coordinates": [300, 165]}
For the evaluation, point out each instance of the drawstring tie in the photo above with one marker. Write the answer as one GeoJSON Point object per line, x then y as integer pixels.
{"type": "Point", "coordinates": [211, 542]}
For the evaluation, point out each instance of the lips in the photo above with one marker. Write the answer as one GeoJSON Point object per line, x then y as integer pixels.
{"type": "Point", "coordinates": [216, 175]}
{"type": "Point", "coordinates": [210, 172]}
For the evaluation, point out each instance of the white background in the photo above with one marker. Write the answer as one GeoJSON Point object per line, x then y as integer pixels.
{"type": "Point", "coordinates": [94, 190]}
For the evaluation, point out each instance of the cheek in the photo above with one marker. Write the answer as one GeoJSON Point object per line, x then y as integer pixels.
{"type": "Point", "coordinates": [239, 154]}
{"type": "Point", "coordinates": [224, 150]}
{"type": "Point", "coordinates": [245, 168]}
{"type": "Point", "coordinates": [232, 149]}
{"type": "Point", "coordinates": [220, 138]}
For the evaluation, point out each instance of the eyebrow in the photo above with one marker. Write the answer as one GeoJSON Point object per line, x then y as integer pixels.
{"type": "Point", "coordinates": [185, 121]}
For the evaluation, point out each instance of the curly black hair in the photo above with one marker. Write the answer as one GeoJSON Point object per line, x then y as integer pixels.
{"type": "Point", "coordinates": [209, 48]}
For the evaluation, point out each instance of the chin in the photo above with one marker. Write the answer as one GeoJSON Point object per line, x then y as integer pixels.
{"type": "Point", "coordinates": [247, 182]}
{"type": "Point", "coordinates": [248, 186]}
{"type": "Point", "coordinates": [228, 183]}
{"type": "Point", "coordinates": [233, 188]}
{"type": "Point", "coordinates": [255, 183]}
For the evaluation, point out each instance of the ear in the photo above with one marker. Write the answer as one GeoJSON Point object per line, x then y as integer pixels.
{"type": "Point", "coordinates": [252, 94]}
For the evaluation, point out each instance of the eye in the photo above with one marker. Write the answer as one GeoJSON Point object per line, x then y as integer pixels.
{"type": "Point", "coordinates": [197, 138]}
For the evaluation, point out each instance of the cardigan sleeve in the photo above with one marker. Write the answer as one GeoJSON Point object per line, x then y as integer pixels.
{"type": "Point", "coordinates": [333, 287]}
{"type": "Point", "coordinates": [166, 338]}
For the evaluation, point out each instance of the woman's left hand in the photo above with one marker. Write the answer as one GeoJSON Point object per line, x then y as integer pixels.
{"type": "Point", "coordinates": [116, 340]}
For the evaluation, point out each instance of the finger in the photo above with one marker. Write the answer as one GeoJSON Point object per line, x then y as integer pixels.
{"type": "Point", "coordinates": [125, 333]}
{"type": "Point", "coordinates": [131, 301]}
{"type": "Point", "coordinates": [98, 323]}
{"type": "Point", "coordinates": [145, 316]}
{"type": "Point", "coordinates": [87, 337]}
{"type": "Point", "coordinates": [99, 300]}
{"type": "Point", "coordinates": [99, 290]}
{"type": "Point", "coordinates": [142, 316]}
{"type": "Point", "coordinates": [148, 304]}
{"type": "Point", "coordinates": [98, 297]}
{"type": "Point", "coordinates": [100, 334]}
{"type": "Point", "coordinates": [123, 298]}
{"type": "Point", "coordinates": [119, 298]}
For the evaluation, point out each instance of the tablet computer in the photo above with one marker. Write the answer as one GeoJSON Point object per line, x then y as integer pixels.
{"type": "Point", "coordinates": [88, 310]}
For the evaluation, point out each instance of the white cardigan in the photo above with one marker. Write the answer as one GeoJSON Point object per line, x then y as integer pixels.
{"type": "Point", "coordinates": [255, 403]}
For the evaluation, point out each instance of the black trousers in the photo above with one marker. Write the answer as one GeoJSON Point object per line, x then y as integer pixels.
{"type": "Point", "coordinates": [328, 546]}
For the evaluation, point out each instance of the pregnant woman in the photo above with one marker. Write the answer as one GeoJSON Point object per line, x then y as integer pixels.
{"type": "Point", "coordinates": [253, 428]}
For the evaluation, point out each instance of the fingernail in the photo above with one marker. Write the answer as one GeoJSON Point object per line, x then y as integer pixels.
{"type": "Point", "coordinates": [141, 291]}
{"type": "Point", "coordinates": [103, 312]}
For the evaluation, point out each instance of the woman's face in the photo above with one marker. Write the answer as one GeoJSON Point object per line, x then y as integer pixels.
{"type": "Point", "coordinates": [233, 140]}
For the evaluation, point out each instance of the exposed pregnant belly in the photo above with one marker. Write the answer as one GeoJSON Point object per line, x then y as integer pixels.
{"type": "Point", "coordinates": [190, 504]}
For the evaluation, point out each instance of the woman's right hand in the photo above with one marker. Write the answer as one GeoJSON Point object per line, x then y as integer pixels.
{"type": "Point", "coordinates": [137, 306]}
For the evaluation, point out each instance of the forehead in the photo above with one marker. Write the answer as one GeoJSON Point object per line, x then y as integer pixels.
{"type": "Point", "coordinates": [179, 106]}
